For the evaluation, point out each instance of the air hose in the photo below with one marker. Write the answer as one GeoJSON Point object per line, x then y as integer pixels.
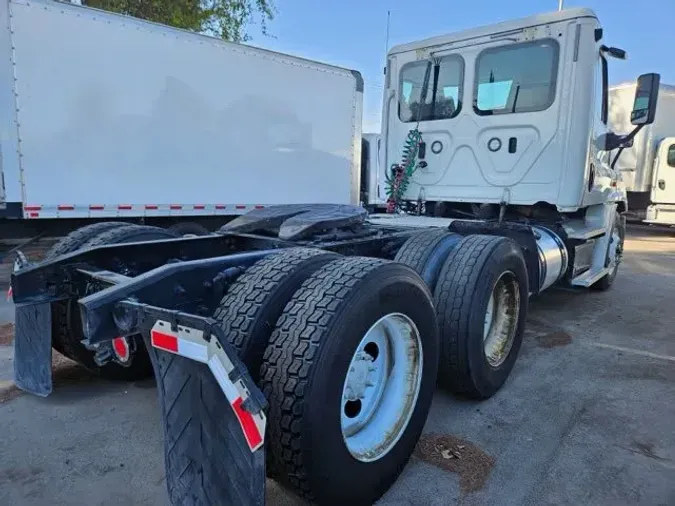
{"type": "Point", "coordinates": [398, 177]}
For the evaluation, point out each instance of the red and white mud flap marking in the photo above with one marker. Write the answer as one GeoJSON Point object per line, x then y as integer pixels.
{"type": "Point", "coordinates": [190, 343]}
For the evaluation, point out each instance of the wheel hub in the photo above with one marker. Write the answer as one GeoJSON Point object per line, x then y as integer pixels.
{"type": "Point", "coordinates": [358, 377]}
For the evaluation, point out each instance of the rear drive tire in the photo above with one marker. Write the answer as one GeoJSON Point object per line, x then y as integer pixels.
{"type": "Point", "coordinates": [186, 228]}
{"type": "Point", "coordinates": [69, 244]}
{"type": "Point", "coordinates": [481, 299]}
{"type": "Point", "coordinates": [319, 361]}
{"type": "Point", "coordinates": [251, 307]}
{"type": "Point", "coordinates": [426, 251]}
{"type": "Point", "coordinates": [131, 233]}
{"type": "Point", "coordinates": [67, 325]}
{"type": "Point", "coordinates": [74, 241]}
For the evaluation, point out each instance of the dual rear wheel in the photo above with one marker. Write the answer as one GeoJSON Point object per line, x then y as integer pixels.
{"type": "Point", "coordinates": [344, 350]}
{"type": "Point", "coordinates": [480, 287]}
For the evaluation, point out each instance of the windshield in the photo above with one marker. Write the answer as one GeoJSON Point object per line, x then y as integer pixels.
{"type": "Point", "coordinates": [442, 97]}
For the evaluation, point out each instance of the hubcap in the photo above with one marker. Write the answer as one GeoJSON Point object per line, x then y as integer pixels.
{"type": "Point", "coordinates": [501, 319]}
{"type": "Point", "coordinates": [381, 387]}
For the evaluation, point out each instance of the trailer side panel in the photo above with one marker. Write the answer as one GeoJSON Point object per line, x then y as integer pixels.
{"type": "Point", "coordinates": [125, 117]}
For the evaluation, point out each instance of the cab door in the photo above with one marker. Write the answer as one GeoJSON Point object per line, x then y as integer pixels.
{"type": "Point", "coordinates": [663, 186]}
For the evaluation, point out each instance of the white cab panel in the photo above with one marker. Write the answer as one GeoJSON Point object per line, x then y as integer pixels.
{"type": "Point", "coordinates": [494, 146]}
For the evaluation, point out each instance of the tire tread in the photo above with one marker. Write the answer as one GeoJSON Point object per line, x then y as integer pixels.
{"type": "Point", "coordinates": [416, 250]}
{"type": "Point", "coordinates": [453, 304]}
{"type": "Point", "coordinates": [77, 238]}
{"type": "Point", "coordinates": [290, 356]}
{"type": "Point", "coordinates": [249, 297]}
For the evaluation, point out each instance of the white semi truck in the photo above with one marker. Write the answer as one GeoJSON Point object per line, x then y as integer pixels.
{"type": "Point", "coordinates": [305, 342]}
{"type": "Point", "coordinates": [124, 119]}
{"type": "Point", "coordinates": [648, 165]}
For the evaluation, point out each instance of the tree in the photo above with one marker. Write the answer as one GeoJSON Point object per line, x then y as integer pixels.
{"type": "Point", "coordinates": [226, 19]}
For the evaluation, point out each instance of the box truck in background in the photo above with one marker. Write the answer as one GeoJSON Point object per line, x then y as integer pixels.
{"type": "Point", "coordinates": [648, 166]}
{"type": "Point", "coordinates": [119, 118]}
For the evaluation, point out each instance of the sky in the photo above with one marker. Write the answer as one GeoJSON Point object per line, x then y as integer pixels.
{"type": "Point", "coordinates": [352, 33]}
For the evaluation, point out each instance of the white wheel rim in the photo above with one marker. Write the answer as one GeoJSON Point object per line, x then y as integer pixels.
{"type": "Point", "coordinates": [381, 387]}
{"type": "Point", "coordinates": [501, 319]}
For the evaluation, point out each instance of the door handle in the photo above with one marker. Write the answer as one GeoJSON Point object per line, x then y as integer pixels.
{"type": "Point", "coordinates": [662, 184]}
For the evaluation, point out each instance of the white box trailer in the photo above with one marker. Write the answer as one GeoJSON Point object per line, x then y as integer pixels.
{"type": "Point", "coordinates": [648, 166]}
{"type": "Point", "coordinates": [110, 116]}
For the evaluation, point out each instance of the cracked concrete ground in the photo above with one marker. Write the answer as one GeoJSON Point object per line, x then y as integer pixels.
{"type": "Point", "coordinates": [587, 416]}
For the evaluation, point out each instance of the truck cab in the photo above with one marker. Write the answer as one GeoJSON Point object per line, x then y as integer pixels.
{"type": "Point", "coordinates": [511, 125]}
{"type": "Point", "coordinates": [663, 190]}
{"type": "Point", "coordinates": [509, 113]}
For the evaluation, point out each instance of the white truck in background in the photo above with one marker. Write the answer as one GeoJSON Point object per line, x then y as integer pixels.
{"type": "Point", "coordinates": [118, 118]}
{"type": "Point", "coordinates": [647, 166]}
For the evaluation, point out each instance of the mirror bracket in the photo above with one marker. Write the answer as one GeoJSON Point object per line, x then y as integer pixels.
{"type": "Point", "coordinates": [613, 52]}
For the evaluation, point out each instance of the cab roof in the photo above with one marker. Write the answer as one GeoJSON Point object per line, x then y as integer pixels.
{"type": "Point", "coordinates": [503, 27]}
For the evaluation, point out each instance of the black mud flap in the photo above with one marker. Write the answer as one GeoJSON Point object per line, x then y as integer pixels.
{"type": "Point", "coordinates": [33, 348]}
{"type": "Point", "coordinates": [208, 458]}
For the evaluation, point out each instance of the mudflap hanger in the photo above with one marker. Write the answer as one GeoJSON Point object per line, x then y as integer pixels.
{"type": "Point", "coordinates": [118, 311]}
{"type": "Point", "coordinates": [202, 340]}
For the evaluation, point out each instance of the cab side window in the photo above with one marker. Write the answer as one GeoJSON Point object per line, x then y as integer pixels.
{"type": "Point", "coordinates": [671, 155]}
{"type": "Point", "coordinates": [516, 78]}
{"type": "Point", "coordinates": [442, 97]}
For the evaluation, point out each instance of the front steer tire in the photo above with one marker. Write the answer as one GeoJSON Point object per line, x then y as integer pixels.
{"type": "Point", "coordinates": [465, 285]}
{"type": "Point", "coordinates": [67, 324]}
{"type": "Point", "coordinates": [251, 307]}
{"type": "Point", "coordinates": [305, 367]}
{"type": "Point", "coordinates": [618, 232]}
